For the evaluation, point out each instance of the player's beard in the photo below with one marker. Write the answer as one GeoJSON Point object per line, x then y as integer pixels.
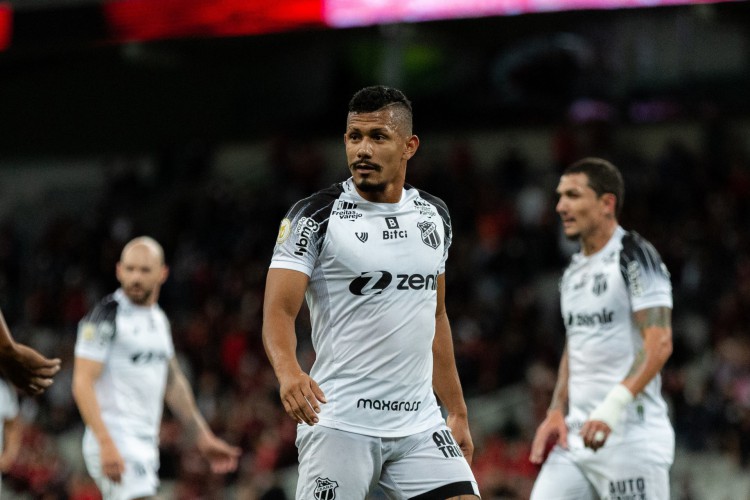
{"type": "Point", "coordinates": [365, 184]}
{"type": "Point", "coordinates": [137, 294]}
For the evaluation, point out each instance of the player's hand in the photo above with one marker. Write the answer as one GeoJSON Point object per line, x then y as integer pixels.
{"type": "Point", "coordinates": [221, 456]}
{"type": "Point", "coordinates": [459, 426]}
{"type": "Point", "coordinates": [553, 427]}
{"type": "Point", "coordinates": [28, 370]}
{"type": "Point", "coordinates": [594, 434]}
{"type": "Point", "coordinates": [113, 465]}
{"type": "Point", "coordinates": [301, 397]}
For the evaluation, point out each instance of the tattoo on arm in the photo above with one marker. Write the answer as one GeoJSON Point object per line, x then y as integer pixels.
{"type": "Point", "coordinates": [637, 362]}
{"type": "Point", "coordinates": [654, 316]}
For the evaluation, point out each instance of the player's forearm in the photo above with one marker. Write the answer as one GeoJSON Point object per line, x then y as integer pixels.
{"type": "Point", "coordinates": [560, 394]}
{"type": "Point", "coordinates": [181, 401]}
{"type": "Point", "coordinates": [280, 344]}
{"type": "Point", "coordinates": [13, 434]}
{"type": "Point", "coordinates": [656, 328]}
{"type": "Point", "coordinates": [88, 406]}
{"type": "Point", "coordinates": [7, 343]}
{"type": "Point", "coordinates": [657, 348]}
{"type": "Point", "coordinates": [445, 379]}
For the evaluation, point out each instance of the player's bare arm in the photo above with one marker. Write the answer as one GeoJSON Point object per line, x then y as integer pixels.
{"type": "Point", "coordinates": [300, 394]}
{"type": "Point", "coordinates": [445, 380]}
{"type": "Point", "coordinates": [553, 426]}
{"type": "Point", "coordinates": [655, 325]}
{"type": "Point", "coordinates": [26, 368]}
{"type": "Point", "coordinates": [181, 401]}
{"type": "Point", "coordinates": [85, 373]}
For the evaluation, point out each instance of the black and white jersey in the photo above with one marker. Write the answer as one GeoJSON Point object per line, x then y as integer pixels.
{"type": "Point", "coordinates": [599, 294]}
{"type": "Point", "coordinates": [135, 344]}
{"type": "Point", "coordinates": [372, 296]}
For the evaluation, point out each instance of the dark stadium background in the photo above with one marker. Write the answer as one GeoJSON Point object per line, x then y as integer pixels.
{"type": "Point", "coordinates": [203, 137]}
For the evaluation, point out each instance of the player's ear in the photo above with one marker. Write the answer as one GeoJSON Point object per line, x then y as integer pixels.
{"type": "Point", "coordinates": [164, 273]}
{"type": "Point", "coordinates": [610, 203]}
{"type": "Point", "coordinates": [412, 144]}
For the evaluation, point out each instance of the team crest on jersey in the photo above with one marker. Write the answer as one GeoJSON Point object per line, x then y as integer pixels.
{"type": "Point", "coordinates": [430, 235]}
{"type": "Point", "coordinates": [600, 284]}
{"type": "Point", "coordinates": [424, 208]}
{"type": "Point", "coordinates": [285, 229]}
{"type": "Point", "coordinates": [325, 489]}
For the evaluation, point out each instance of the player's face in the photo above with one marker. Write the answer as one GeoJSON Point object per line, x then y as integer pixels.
{"type": "Point", "coordinates": [377, 150]}
{"type": "Point", "coordinates": [141, 273]}
{"type": "Point", "coordinates": [582, 212]}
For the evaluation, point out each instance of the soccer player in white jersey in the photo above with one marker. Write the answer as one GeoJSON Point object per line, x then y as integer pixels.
{"type": "Point", "coordinates": [11, 426]}
{"type": "Point", "coordinates": [608, 420]}
{"type": "Point", "coordinates": [369, 255]}
{"type": "Point", "coordinates": [124, 370]}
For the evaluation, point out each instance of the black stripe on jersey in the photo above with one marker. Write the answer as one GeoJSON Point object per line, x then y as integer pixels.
{"type": "Point", "coordinates": [448, 491]}
{"type": "Point", "coordinates": [317, 207]}
{"type": "Point", "coordinates": [442, 209]}
{"type": "Point", "coordinates": [638, 260]}
{"type": "Point", "coordinates": [105, 310]}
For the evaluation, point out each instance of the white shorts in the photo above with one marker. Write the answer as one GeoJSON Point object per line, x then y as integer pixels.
{"type": "Point", "coordinates": [343, 465]}
{"type": "Point", "coordinates": [141, 476]}
{"type": "Point", "coordinates": [611, 473]}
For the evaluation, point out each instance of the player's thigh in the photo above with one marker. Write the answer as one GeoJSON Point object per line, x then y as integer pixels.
{"type": "Point", "coordinates": [561, 479]}
{"type": "Point", "coordinates": [335, 464]}
{"type": "Point", "coordinates": [623, 474]}
{"type": "Point", "coordinates": [428, 466]}
{"type": "Point", "coordinates": [140, 480]}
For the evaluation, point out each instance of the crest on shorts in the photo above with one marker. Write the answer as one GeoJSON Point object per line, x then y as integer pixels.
{"type": "Point", "coordinates": [325, 489]}
{"type": "Point", "coordinates": [430, 236]}
{"type": "Point", "coordinates": [600, 284]}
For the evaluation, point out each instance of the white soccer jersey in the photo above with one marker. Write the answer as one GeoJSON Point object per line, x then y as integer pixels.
{"type": "Point", "coordinates": [599, 294]}
{"type": "Point", "coordinates": [372, 296]}
{"type": "Point", "coordinates": [135, 345]}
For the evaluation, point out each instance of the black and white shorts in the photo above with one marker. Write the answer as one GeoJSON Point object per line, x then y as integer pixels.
{"type": "Point", "coordinates": [343, 465]}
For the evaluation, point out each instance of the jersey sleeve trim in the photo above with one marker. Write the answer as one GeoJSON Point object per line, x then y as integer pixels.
{"type": "Point", "coordinates": [97, 330]}
{"type": "Point", "coordinates": [644, 273]}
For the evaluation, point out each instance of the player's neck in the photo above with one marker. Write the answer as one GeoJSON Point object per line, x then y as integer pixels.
{"type": "Point", "coordinates": [598, 238]}
{"type": "Point", "coordinates": [391, 194]}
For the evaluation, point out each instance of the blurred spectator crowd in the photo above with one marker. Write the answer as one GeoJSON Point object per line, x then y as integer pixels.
{"type": "Point", "coordinates": [692, 201]}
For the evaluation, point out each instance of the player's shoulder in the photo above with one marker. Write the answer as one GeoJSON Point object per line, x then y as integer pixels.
{"type": "Point", "coordinates": [104, 310]}
{"type": "Point", "coordinates": [428, 197]}
{"type": "Point", "coordinates": [636, 247]}
{"type": "Point", "coordinates": [318, 204]}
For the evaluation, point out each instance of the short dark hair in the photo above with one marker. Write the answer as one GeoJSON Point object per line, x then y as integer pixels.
{"type": "Point", "coordinates": [603, 176]}
{"type": "Point", "coordinates": [376, 97]}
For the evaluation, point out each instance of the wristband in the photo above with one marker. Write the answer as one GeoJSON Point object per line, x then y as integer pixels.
{"type": "Point", "coordinates": [610, 410]}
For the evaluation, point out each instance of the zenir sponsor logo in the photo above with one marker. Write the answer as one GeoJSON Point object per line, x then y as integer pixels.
{"type": "Point", "coordinates": [142, 358]}
{"type": "Point", "coordinates": [430, 235]}
{"type": "Point", "coordinates": [593, 319]}
{"type": "Point", "coordinates": [325, 489]}
{"type": "Point", "coordinates": [374, 282]}
{"type": "Point", "coordinates": [361, 236]}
